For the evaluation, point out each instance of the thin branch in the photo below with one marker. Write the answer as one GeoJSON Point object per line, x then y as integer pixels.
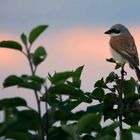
{"type": "Point", "coordinates": [46, 106]}
{"type": "Point", "coordinates": [111, 89]}
{"type": "Point", "coordinates": [33, 70]}
{"type": "Point", "coordinates": [24, 53]}
{"type": "Point", "coordinates": [120, 105]}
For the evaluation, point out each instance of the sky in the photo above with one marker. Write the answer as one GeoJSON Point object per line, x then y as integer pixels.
{"type": "Point", "coordinates": [75, 36]}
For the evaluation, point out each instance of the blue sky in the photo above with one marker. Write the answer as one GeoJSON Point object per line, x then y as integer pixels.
{"type": "Point", "coordinates": [17, 15]}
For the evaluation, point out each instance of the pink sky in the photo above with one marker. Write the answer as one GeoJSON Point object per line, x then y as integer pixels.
{"type": "Point", "coordinates": [76, 44]}
{"type": "Point", "coordinates": [67, 50]}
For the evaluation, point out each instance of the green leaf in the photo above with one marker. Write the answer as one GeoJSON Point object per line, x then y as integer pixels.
{"type": "Point", "coordinates": [71, 77]}
{"type": "Point", "coordinates": [110, 113]}
{"type": "Point", "coordinates": [98, 94]}
{"type": "Point", "coordinates": [129, 86]}
{"type": "Point", "coordinates": [68, 105]}
{"type": "Point", "coordinates": [95, 108]}
{"type": "Point", "coordinates": [89, 122]}
{"type": "Point", "coordinates": [88, 137]}
{"type": "Point", "coordinates": [25, 81]}
{"type": "Point", "coordinates": [132, 116]}
{"type": "Point", "coordinates": [65, 115]}
{"type": "Point", "coordinates": [24, 39]}
{"type": "Point", "coordinates": [39, 55]}
{"type": "Point", "coordinates": [135, 129]}
{"type": "Point", "coordinates": [33, 78]}
{"type": "Point", "coordinates": [110, 98]}
{"type": "Point", "coordinates": [11, 45]}
{"type": "Point", "coordinates": [71, 91]}
{"type": "Point", "coordinates": [21, 136]}
{"type": "Point", "coordinates": [126, 134]}
{"type": "Point", "coordinates": [36, 79]}
{"type": "Point", "coordinates": [28, 119]}
{"type": "Point", "coordinates": [67, 90]}
{"type": "Point", "coordinates": [34, 34]}
{"type": "Point", "coordinates": [9, 119]}
{"type": "Point", "coordinates": [79, 70]}
{"type": "Point", "coordinates": [76, 84]}
{"type": "Point", "coordinates": [132, 98]}
{"type": "Point", "coordinates": [138, 88]}
{"type": "Point", "coordinates": [30, 85]}
{"type": "Point", "coordinates": [77, 73]}
{"type": "Point", "coordinates": [76, 78]}
{"type": "Point", "coordinates": [107, 137]}
{"type": "Point", "coordinates": [61, 77]}
{"type": "Point", "coordinates": [110, 129]}
{"type": "Point", "coordinates": [100, 83]}
{"type": "Point", "coordinates": [23, 121]}
{"type": "Point", "coordinates": [12, 102]}
{"type": "Point", "coordinates": [12, 80]}
{"type": "Point", "coordinates": [57, 133]}
{"type": "Point", "coordinates": [71, 130]}
{"type": "Point", "coordinates": [111, 77]}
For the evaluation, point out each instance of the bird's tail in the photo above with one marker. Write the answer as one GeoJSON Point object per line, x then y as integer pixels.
{"type": "Point", "coordinates": [137, 70]}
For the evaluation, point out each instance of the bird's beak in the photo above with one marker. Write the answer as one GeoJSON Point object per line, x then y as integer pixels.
{"type": "Point", "coordinates": [107, 32]}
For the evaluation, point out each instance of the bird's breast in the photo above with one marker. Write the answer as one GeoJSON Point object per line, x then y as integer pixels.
{"type": "Point", "coordinates": [117, 56]}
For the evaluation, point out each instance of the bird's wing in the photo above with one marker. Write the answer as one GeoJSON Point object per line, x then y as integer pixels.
{"type": "Point", "coordinates": [125, 46]}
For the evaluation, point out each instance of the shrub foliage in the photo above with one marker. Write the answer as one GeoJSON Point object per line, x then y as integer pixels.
{"type": "Point", "coordinates": [64, 119]}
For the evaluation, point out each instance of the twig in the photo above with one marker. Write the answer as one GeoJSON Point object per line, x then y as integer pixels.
{"type": "Point", "coordinates": [33, 70]}
{"type": "Point", "coordinates": [47, 110]}
{"type": "Point", "coordinates": [120, 105]}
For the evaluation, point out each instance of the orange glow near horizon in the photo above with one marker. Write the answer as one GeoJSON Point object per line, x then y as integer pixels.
{"type": "Point", "coordinates": [67, 50]}
{"type": "Point", "coordinates": [84, 43]}
{"type": "Point", "coordinates": [8, 57]}
{"type": "Point", "coordinates": [81, 44]}
{"type": "Point", "coordinates": [87, 43]}
{"type": "Point", "coordinates": [77, 44]}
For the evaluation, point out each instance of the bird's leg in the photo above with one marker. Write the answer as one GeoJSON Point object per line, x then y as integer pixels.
{"type": "Point", "coordinates": [123, 72]}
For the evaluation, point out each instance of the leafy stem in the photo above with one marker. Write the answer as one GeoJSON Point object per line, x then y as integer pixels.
{"type": "Point", "coordinates": [34, 60]}
{"type": "Point", "coordinates": [120, 105]}
{"type": "Point", "coordinates": [29, 57]}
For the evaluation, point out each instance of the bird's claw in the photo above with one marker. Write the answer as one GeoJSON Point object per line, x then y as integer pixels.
{"type": "Point", "coordinates": [123, 72]}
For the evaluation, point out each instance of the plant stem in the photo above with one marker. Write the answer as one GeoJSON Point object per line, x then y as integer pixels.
{"type": "Point", "coordinates": [28, 55]}
{"type": "Point", "coordinates": [33, 73]}
{"type": "Point", "coordinates": [120, 105]}
{"type": "Point", "coordinates": [46, 93]}
{"type": "Point", "coordinates": [47, 110]}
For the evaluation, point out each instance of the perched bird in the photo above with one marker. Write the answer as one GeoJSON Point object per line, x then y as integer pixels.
{"type": "Point", "coordinates": [123, 48]}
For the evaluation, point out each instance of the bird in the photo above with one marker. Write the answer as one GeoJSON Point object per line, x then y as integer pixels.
{"type": "Point", "coordinates": [123, 47]}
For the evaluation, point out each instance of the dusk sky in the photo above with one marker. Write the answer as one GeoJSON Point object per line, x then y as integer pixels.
{"type": "Point", "coordinates": [75, 36]}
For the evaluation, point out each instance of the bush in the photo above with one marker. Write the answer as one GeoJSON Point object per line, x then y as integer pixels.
{"type": "Point", "coordinates": [118, 101]}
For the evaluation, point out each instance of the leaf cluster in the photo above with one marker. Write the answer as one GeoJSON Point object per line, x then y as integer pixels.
{"type": "Point", "coordinates": [65, 118]}
{"type": "Point", "coordinates": [21, 122]}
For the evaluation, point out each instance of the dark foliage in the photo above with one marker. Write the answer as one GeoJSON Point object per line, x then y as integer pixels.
{"type": "Point", "coordinates": [61, 121]}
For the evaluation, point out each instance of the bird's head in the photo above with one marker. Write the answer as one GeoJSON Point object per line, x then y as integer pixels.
{"type": "Point", "coordinates": [117, 30]}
